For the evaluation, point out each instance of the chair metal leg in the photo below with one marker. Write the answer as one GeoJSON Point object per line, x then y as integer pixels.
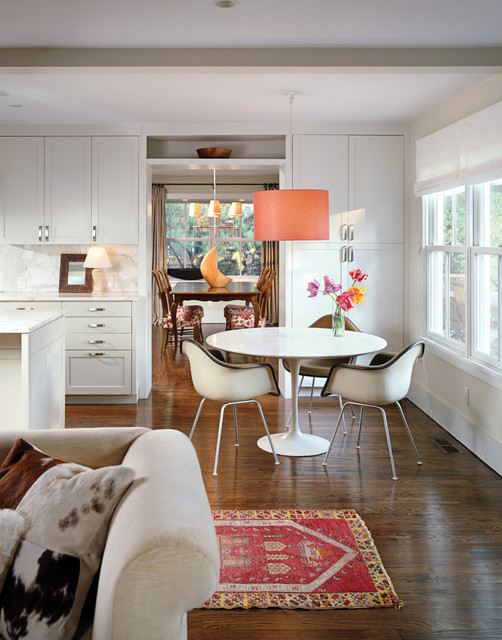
{"type": "Point", "coordinates": [196, 417]}
{"type": "Point", "coordinates": [360, 427]}
{"type": "Point", "coordinates": [419, 461]}
{"type": "Point", "coordinates": [311, 394]}
{"type": "Point", "coordinates": [387, 435]}
{"type": "Point", "coordinates": [267, 431]}
{"type": "Point", "coordinates": [343, 415]}
{"type": "Point", "coordinates": [324, 462]}
{"type": "Point", "coordinates": [235, 426]}
{"type": "Point", "coordinates": [353, 412]}
{"type": "Point", "coordinates": [215, 473]}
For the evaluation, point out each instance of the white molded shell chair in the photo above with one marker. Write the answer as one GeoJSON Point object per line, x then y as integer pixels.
{"type": "Point", "coordinates": [231, 384]}
{"type": "Point", "coordinates": [375, 386]}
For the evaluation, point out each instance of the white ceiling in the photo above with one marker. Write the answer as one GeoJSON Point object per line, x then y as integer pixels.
{"type": "Point", "coordinates": [210, 93]}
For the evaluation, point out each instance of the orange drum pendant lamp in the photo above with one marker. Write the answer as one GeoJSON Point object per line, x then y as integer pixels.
{"type": "Point", "coordinates": [291, 214]}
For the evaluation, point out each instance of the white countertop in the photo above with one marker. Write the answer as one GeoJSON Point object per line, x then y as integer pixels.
{"type": "Point", "coordinates": [9, 296]}
{"type": "Point", "coordinates": [26, 321]}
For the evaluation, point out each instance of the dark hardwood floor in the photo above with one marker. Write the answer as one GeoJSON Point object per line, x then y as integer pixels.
{"type": "Point", "coordinates": [438, 529]}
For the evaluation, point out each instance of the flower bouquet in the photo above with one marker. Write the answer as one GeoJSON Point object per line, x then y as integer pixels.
{"type": "Point", "coordinates": [342, 300]}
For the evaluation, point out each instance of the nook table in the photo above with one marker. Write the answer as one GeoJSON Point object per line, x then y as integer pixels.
{"type": "Point", "coordinates": [295, 344]}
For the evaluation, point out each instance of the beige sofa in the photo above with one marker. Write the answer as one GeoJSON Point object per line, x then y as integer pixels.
{"type": "Point", "coordinates": [161, 557]}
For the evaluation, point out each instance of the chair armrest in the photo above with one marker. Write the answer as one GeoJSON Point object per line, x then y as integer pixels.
{"type": "Point", "coordinates": [161, 557]}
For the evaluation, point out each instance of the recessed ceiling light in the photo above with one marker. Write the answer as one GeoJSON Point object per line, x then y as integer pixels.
{"type": "Point", "coordinates": [226, 4]}
{"type": "Point", "coordinates": [16, 106]}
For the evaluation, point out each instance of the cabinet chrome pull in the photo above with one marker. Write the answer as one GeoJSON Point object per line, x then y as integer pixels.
{"type": "Point", "coordinates": [351, 254]}
{"type": "Point", "coordinates": [97, 355]}
{"type": "Point", "coordinates": [96, 325]}
{"type": "Point", "coordinates": [94, 232]}
{"type": "Point", "coordinates": [343, 256]}
{"type": "Point", "coordinates": [96, 341]}
{"type": "Point", "coordinates": [40, 233]}
{"type": "Point", "coordinates": [351, 232]}
{"type": "Point", "coordinates": [96, 309]}
{"type": "Point", "coordinates": [47, 232]}
{"type": "Point", "coordinates": [343, 232]}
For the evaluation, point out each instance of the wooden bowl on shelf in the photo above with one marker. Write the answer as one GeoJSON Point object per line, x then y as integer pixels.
{"type": "Point", "coordinates": [214, 152]}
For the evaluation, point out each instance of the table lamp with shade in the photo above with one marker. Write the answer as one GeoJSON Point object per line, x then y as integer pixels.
{"type": "Point", "coordinates": [97, 259]}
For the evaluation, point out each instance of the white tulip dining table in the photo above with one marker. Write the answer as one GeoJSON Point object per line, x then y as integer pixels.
{"type": "Point", "coordinates": [295, 344]}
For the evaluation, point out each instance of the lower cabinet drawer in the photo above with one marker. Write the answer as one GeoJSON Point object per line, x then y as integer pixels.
{"type": "Point", "coordinates": [98, 372]}
{"type": "Point", "coordinates": [105, 341]}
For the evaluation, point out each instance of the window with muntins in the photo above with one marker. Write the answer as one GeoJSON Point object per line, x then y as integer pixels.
{"type": "Point", "coordinates": [189, 239]}
{"type": "Point", "coordinates": [463, 240]}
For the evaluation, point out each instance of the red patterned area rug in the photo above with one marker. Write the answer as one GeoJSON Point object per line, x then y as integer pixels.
{"type": "Point", "coordinates": [298, 559]}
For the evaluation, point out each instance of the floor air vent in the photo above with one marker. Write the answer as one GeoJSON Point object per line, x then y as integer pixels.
{"type": "Point", "coordinates": [447, 446]}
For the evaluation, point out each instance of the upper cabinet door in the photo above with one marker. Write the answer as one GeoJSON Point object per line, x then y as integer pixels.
{"type": "Point", "coordinates": [68, 189]}
{"type": "Point", "coordinates": [376, 188]}
{"type": "Point", "coordinates": [321, 162]}
{"type": "Point", "coordinates": [22, 189]}
{"type": "Point", "coordinates": [115, 189]}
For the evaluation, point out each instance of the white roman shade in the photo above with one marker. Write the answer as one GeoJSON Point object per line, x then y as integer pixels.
{"type": "Point", "coordinates": [466, 152]}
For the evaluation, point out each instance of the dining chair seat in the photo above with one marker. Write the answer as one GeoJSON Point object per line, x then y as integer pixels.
{"type": "Point", "coordinates": [186, 317]}
{"type": "Point", "coordinates": [243, 320]}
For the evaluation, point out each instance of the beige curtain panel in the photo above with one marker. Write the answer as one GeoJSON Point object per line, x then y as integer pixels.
{"type": "Point", "coordinates": [159, 250]}
{"type": "Point", "coordinates": [270, 259]}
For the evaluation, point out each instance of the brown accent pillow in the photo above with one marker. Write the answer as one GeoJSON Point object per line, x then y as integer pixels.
{"type": "Point", "coordinates": [67, 508]}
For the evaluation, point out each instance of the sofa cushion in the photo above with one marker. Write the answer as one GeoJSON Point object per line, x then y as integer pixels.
{"type": "Point", "coordinates": [67, 508]}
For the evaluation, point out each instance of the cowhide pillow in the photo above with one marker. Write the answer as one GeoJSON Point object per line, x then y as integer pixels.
{"type": "Point", "coordinates": [67, 509]}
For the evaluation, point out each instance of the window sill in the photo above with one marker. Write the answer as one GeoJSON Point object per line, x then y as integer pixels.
{"type": "Point", "coordinates": [483, 372]}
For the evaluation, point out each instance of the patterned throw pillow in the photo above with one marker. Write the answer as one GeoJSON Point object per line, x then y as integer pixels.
{"type": "Point", "coordinates": [67, 510]}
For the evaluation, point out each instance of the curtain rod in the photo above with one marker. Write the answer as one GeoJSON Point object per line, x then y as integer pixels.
{"type": "Point", "coordinates": [205, 184]}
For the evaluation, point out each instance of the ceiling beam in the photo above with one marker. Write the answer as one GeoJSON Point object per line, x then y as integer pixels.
{"type": "Point", "coordinates": [487, 58]}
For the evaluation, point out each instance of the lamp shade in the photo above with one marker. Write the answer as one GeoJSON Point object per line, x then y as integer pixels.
{"type": "Point", "coordinates": [291, 214]}
{"type": "Point", "coordinates": [97, 258]}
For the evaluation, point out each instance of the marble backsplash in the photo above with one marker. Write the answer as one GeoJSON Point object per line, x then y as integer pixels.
{"type": "Point", "coordinates": [37, 267]}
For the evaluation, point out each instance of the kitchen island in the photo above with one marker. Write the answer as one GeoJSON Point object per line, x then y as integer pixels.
{"type": "Point", "coordinates": [32, 365]}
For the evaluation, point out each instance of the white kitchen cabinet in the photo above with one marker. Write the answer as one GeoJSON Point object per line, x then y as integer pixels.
{"type": "Point", "coordinates": [376, 189]}
{"type": "Point", "coordinates": [365, 179]}
{"type": "Point", "coordinates": [115, 190]}
{"type": "Point", "coordinates": [68, 189]}
{"type": "Point", "coordinates": [22, 190]}
{"type": "Point", "coordinates": [99, 352]}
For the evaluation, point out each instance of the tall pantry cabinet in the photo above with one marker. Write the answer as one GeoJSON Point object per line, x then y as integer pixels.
{"type": "Point", "coordinates": [364, 175]}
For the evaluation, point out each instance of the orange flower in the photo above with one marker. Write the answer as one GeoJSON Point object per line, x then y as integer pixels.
{"type": "Point", "coordinates": [358, 294]}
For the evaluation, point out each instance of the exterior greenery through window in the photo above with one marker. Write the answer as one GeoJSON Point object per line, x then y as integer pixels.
{"type": "Point", "coordinates": [464, 253]}
{"type": "Point", "coordinates": [189, 239]}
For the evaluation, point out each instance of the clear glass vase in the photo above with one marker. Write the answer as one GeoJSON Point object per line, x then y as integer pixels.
{"type": "Point", "coordinates": [338, 322]}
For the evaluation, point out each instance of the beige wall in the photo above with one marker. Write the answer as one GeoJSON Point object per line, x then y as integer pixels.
{"type": "Point", "coordinates": [438, 386]}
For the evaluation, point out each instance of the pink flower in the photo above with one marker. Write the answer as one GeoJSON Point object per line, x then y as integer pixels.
{"type": "Point", "coordinates": [358, 275]}
{"type": "Point", "coordinates": [313, 288]}
{"type": "Point", "coordinates": [330, 286]}
{"type": "Point", "coordinates": [344, 300]}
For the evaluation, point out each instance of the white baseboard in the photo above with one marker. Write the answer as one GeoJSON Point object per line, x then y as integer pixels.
{"type": "Point", "coordinates": [480, 443]}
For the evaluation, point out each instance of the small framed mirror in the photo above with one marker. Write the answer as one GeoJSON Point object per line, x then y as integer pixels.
{"type": "Point", "coordinates": [73, 277]}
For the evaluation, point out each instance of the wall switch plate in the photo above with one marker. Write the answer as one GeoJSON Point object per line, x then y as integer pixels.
{"type": "Point", "coordinates": [466, 395]}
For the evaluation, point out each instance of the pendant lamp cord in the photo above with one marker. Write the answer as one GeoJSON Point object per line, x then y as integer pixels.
{"type": "Point", "coordinates": [291, 96]}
